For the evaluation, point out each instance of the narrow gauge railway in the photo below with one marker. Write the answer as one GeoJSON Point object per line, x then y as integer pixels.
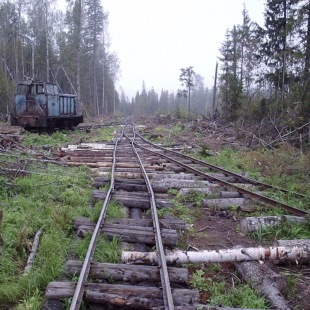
{"type": "Point", "coordinates": [139, 175]}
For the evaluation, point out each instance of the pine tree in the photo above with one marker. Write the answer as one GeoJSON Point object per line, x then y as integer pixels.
{"type": "Point", "coordinates": [230, 83]}
{"type": "Point", "coordinates": [187, 80]}
{"type": "Point", "coordinates": [276, 49]}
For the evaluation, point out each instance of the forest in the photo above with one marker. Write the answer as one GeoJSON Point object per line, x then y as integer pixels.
{"type": "Point", "coordinates": [263, 71]}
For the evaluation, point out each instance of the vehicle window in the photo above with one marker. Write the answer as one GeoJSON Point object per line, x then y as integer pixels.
{"type": "Point", "coordinates": [56, 89]}
{"type": "Point", "coordinates": [21, 89]}
{"type": "Point", "coordinates": [49, 89]}
{"type": "Point", "coordinates": [40, 89]}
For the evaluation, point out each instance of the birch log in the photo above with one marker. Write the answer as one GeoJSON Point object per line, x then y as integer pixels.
{"type": "Point", "coordinates": [303, 243]}
{"type": "Point", "coordinates": [292, 253]}
{"type": "Point", "coordinates": [251, 224]}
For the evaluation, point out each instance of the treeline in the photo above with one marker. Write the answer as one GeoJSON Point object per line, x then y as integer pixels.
{"type": "Point", "coordinates": [265, 70]}
{"type": "Point", "coordinates": [150, 103]}
{"type": "Point", "coordinates": [40, 42]}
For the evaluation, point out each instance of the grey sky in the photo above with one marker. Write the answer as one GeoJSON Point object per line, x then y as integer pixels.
{"type": "Point", "coordinates": [155, 38]}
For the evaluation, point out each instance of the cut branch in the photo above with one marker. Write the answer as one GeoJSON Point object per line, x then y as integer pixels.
{"type": "Point", "coordinates": [33, 252]}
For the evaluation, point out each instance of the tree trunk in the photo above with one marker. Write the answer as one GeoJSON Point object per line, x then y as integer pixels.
{"type": "Point", "coordinates": [223, 203]}
{"type": "Point", "coordinates": [251, 224]}
{"type": "Point", "coordinates": [266, 281]}
{"type": "Point", "coordinates": [293, 254]}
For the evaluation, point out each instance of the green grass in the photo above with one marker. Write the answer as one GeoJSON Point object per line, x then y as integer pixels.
{"type": "Point", "coordinates": [284, 231]}
{"type": "Point", "coordinates": [115, 210]}
{"type": "Point", "coordinates": [107, 251]}
{"type": "Point", "coordinates": [57, 138]}
{"type": "Point", "coordinates": [62, 137]}
{"type": "Point", "coordinates": [224, 294]}
{"type": "Point", "coordinates": [180, 211]}
{"type": "Point", "coordinates": [49, 197]}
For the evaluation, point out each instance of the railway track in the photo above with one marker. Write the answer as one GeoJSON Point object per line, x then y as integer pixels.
{"type": "Point", "coordinates": [138, 174]}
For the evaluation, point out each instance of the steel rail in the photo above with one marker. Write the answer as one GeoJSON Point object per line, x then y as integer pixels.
{"type": "Point", "coordinates": [80, 287]}
{"type": "Point", "coordinates": [167, 294]}
{"type": "Point", "coordinates": [226, 172]}
{"type": "Point", "coordinates": [267, 200]}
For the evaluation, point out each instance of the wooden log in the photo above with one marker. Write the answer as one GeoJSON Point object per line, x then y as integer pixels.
{"type": "Point", "coordinates": [222, 204]}
{"type": "Point", "coordinates": [220, 256]}
{"type": "Point", "coordinates": [223, 177]}
{"type": "Point", "coordinates": [227, 194]}
{"type": "Point", "coordinates": [167, 183]}
{"type": "Point", "coordinates": [174, 176]}
{"type": "Point", "coordinates": [130, 202]}
{"type": "Point", "coordinates": [200, 190]}
{"type": "Point", "coordinates": [131, 297]}
{"type": "Point", "coordinates": [264, 280]}
{"type": "Point", "coordinates": [289, 243]}
{"type": "Point", "coordinates": [127, 273]}
{"type": "Point", "coordinates": [129, 186]}
{"type": "Point", "coordinates": [171, 223]}
{"type": "Point", "coordinates": [105, 180]}
{"type": "Point", "coordinates": [251, 224]}
{"type": "Point", "coordinates": [128, 175]}
{"type": "Point", "coordinates": [303, 243]}
{"type": "Point", "coordinates": [132, 234]}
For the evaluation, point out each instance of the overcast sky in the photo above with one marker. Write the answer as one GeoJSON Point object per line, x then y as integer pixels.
{"type": "Point", "coordinates": [155, 38]}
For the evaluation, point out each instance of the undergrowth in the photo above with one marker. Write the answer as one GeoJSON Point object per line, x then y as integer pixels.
{"type": "Point", "coordinates": [43, 196]}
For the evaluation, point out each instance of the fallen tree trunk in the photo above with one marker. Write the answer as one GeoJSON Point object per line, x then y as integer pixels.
{"type": "Point", "coordinates": [293, 253]}
{"type": "Point", "coordinates": [302, 243]}
{"type": "Point", "coordinates": [127, 273]}
{"type": "Point", "coordinates": [266, 281]}
{"type": "Point", "coordinates": [251, 224]}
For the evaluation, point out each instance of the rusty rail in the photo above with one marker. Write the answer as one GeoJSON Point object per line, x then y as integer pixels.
{"type": "Point", "coordinates": [267, 200]}
{"type": "Point", "coordinates": [224, 171]}
{"type": "Point", "coordinates": [162, 264]}
{"type": "Point", "coordinates": [80, 287]}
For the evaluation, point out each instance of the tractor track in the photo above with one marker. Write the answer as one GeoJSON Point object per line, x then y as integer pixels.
{"type": "Point", "coordinates": [139, 174]}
